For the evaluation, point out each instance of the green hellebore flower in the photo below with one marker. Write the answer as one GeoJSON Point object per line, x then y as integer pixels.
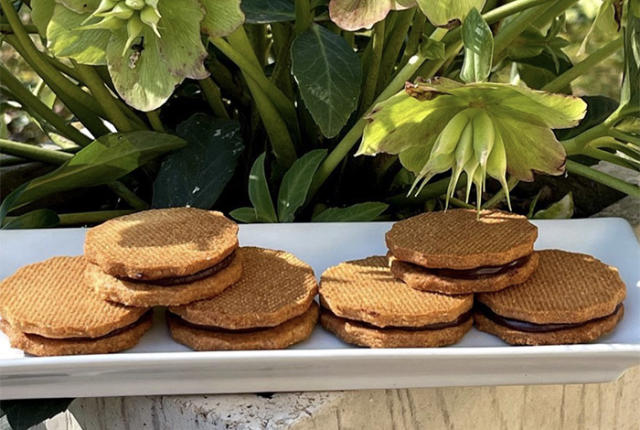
{"type": "Point", "coordinates": [480, 129]}
{"type": "Point", "coordinates": [149, 46]}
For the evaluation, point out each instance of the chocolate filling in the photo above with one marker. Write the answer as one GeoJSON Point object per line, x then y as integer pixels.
{"type": "Point", "coordinates": [532, 327]}
{"type": "Point", "coordinates": [180, 320]}
{"type": "Point", "coordinates": [462, 318]}
{"type": "Point", "coordinates": [145, 316]}
{"type": "Point", "coordinates": [177, 280]}
{"type": "Point", "coordinates": [480, 272]}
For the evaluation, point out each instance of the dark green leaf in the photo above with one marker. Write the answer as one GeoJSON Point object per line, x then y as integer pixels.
{"type": "Point", "coordinates": [432, 49]}
{"type": "Point", "coordinates": [296, 182]}
{"type": "Point", "coordinates": [562, 209]}
{"type": "Point", "coordinates": [102, 161]}
{"type": "Point", "coordinates": [247, 215]}
{"type": "Point", "coordinates": [329, 75]}
{"type": "Point", "coordinates": [598, 109]}
{"type": "Point", "coordinates": [478, 48]}
{"type": "Point", "coordinates": [259, 192]}
{"type": "Point", "coordinates": [630, 97]}
{"type": "Point", "coordinates": [39, 218]}
{"type": "Point", "coordinates": [23, 414]}
{"type": "Point", "coordinates": [368, 211]}
{"type": "Point", "coordinates": [197, 174]}
{"type": "Point", "coordinates": [268, 11]}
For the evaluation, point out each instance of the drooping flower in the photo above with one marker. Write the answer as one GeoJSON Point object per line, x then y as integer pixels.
{"type": "Point", "coordinates": [357, 14]}
{"type": "Point", "coordinates": [149, 46]}
{"type": "Point", "coordinates": [480, 129]}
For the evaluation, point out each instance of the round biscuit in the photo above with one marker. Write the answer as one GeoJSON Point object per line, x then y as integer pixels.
{"type": "Point", "coordinates": [275, 286]}
{"type": "Point", "coordinates": [161, 243]}
{"type": "Point", "coordinates": [51, 298]}
{"type": "Point", "coordinates": [460, 239]}
{"type": "Point", "coordinates": [365, 290]}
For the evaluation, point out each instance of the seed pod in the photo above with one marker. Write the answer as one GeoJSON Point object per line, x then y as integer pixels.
{"type": "Point", "coordinates": [104, 6]}
{"type": "Point", "coordinates": [152, 3]}
{"type": "Point", "coordinates": [464, 152]}
{"type": "Point", "coordinates": [121, 10]}
{"type": "Point", "coordinates": [497, 165]}
{"type": "Point", "coordinates": [150, 16]}
{"type": "Point", "coordinates": [134, 29]}
{"type": "Point", "coordinates": [483, 140]}
{"type": "Point", "coordinates": [107, 23]}
{"type": "Point", "coordinates": [135, 4]}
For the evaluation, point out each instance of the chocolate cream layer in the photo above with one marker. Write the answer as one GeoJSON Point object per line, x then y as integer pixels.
{"type": "Point", "coordinates": [530, 327]}
{"type": "Point", "coordinates": [461, 319]}
{"type": "Point", "coordinates": [180, 320]}
{"type": "Point", "coordinates": [177, 280]}
{"type": "Point", "coordinates": [479, 272]}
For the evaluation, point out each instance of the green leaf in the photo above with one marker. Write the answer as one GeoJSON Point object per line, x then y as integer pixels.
{"type": "Point", "coordinates": [443, 12]}
{"type": "Point", "coordinates": [149, 83]}
{"type": "Point", "coordinates": [630, 96]}
{"type": "Point", "coordinates": [368, 211]}
{"type": "Point", "coordinates": [605, 25]}
{"type": "Point", "coordinates": [181, 44]}
{"type": "Point", "coordinates": [246, 215]}
{"type": "Point", "coordinates": [562, 209]}
{"type": "Point", "coordinates": [433, 49]}
{"type": "Point", "coordinates": [268, 11]}
{"type": "Point", "coordinates": [598, 109]}
{"type": "Point", "coordinates": [84, 46]}
{"type": "Point", "coordinates": [41, 12]}
{"type": "Point", "coordinates": [478, 48]}
{"type": "Point", "coordinates": [329, 75]}
{"type": "Point", "coordinates": [222, 17]}
{"type": "Point", "coordinates": [296, 182]}
{"type": "Point", "coordinates": [39, 218]}
{"type": "Point", "coordinates": [197, 174]}
{"type": "Point", "coordinates": [102, 161]}
{"type": "Point", "coordinates": [80, 6]}
{"type": "Point", "coordinates": [23, 414]}
{"type": "Point", "coordinates": [259, 192]}
{"type": "Point", "coordinates": [357, 14]}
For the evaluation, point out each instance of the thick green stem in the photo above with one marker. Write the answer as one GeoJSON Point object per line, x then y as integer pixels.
{"type": "Point", "coordinates": [508, 32]}
{"type": "Point", "coordinates": [430, 191]}
{"type": "Point", "coordinates": [373, 66]}
{"type": "Point", "coordinates": [501, 194]}
{"type": "Point", "coordinates": [33, 104]}
{"type": "Point", "coordinates": [603, 178]}
{"type": "Point", "coordinates": [584, 66]}
{"type": "Point", "coordinates": [304, 18]}
{"type": "Point", "coordinates": [33, 152]}
{"type": "Point", "coordinates": [83, 218]}
{"type": "Point", "coordinates": [393, 46]}
{"type": "Point", "coordinates": [104, 98]}
{"type": "Point", "coordinates": [576, 145]}
{"type": "Point", "coordinates": [154, 119]}
{"type": "Point", "coordinates": [212, 93]}
{"type": "Point", "coordinates": [417, 28]}
{"type": "Point", "coordinates": [6, 29]}
{"type": "Point", "coordinates": [128, 196]}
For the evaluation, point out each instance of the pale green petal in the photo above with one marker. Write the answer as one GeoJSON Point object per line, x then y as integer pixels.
{"type": "Point", "coordinates": [222, 17]}
{"type": "Point", "coordinates": [181, 44]}
{"type": "Point", "coordinates": [357, 14]}
{"type": "Point", "coordinates": [84, 46]}
{"type": "Point", "coordinates": [403, 121]}
{"type": "Point", "coordinates": [41, 12]}
{"type": "Point", "coordinates": [441, 12]}
{"type": "Point", "coordinates": [415, 158]}
{"type": "Point", "coordinates": [144, 83]}
{"type": "Point", "coordinates": [530, 149]}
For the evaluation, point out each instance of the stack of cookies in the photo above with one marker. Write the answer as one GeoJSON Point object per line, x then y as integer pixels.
{"type": "Point", "coordinates": [439, 261]}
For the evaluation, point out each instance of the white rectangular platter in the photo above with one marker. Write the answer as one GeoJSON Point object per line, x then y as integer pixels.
{"type": "Point", "coordinates": [158, 365]}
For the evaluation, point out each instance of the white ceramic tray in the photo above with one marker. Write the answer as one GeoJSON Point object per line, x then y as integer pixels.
{"type": "Point", "coordinates": [160, 366]}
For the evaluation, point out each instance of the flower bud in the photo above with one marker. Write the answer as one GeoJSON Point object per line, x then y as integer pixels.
{"type": "Point", "coordinates": [107, 23]}
{"type": "Point", "coordinates": [497, 165]}
{"type": "Point", "coordinates": [150, 16]}
{"type": "Point", "coordinates": [135, 4]}
{"type": "Point", "coordinates": [121, 10]}
{"type": "Point", "coordinates": [134, 29]}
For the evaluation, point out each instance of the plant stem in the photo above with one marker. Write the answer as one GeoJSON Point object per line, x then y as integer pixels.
{"type": "Point", "coordinates": [82, 218]}
{"type": "Point", "coordinates": [128, 196]}
{"type": "Point", "coordinates": [373, 66]}
{"type": "Point", "coordinates": [32, 103]}
{"type": "Point", "coordinates": [603, 178]}
{"type": "Point", "coordinates": [33, 152]}
{"type": "Point", "coordinates": [624, 136]}
{"type": "Point", "coordinates": [304, 18]}
{"type": "Point", "coordinates": [393, 46]}
{"type": "Point", "coordinates": [6, 29]}
{"type": "Point", "coordinates": [104, 98]}
{"type": "Point", "coordinates": [460, 203]}
{"type": "Point", "coordinates": [584, 66]}
{"type": "Point", "coordinates": [430, 191]}
{"type": "Point", "coordinates": [508, 32]}
{"type": "Point", "coordinates": [576, 145]}
{"type": "Point", "coordinates": [501, 194]}
{"type": "Point", "coordinates": [212, 94]}
{"type": "Point", "coordinates": [154, 119]}
{"type": "Point", "coordinates": [415, 34]}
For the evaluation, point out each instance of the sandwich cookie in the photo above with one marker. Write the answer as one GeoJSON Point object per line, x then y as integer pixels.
{"type": "Point", "coordinates": [163, 257]}
{"type": "Point", "coordinates": [47, 309]}
{"type": "Point", "coordinates": [363, 304]}
{"type": "Point", "coordinates": [571, 298]}
{"type": "Point", "coordinates": [270, 307]}
{"type": "Point", "coordinates": [460, 251]}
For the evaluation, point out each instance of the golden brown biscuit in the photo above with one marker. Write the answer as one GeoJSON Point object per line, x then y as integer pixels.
{"type": "Point", "coordinates": [275, 287]}
{"type": "Point", "coordinates": [146, 294]}
{"type": "Point", "coordinates": [365, 335]}
{"type": "Point", "coordinates": [161, 243]}
{"type": "Point", "coordinates": [365, 290]}
{"type": "Point", "coordinates": [42, 346]}
{"type": "Point", "coordinates": [458, 239]}
{"type": "Point", "coordinates": [424, 279]}
{"type": "Point", "coordinates": [52, 299]}
{"type": "Point", "coordinates": [281, 336]}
